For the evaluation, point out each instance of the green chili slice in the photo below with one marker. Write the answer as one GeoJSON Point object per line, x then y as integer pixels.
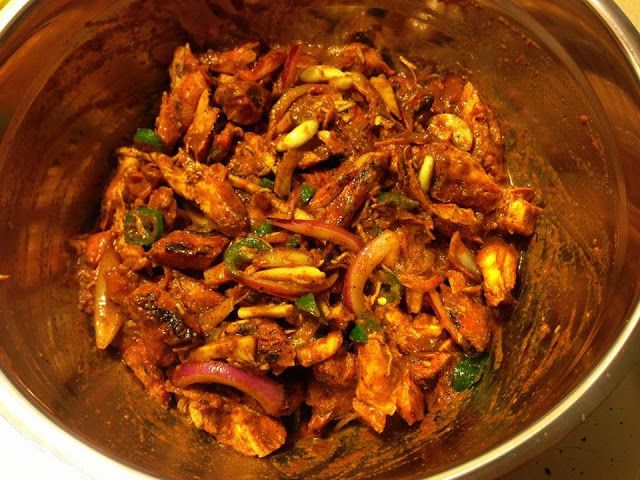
{"type": "Point", "coordinates": [468, 372]}
{"type": "Point", "coordinates": [266, 183]}
{"type": "Point", "coordinates": [241, 252]}
{"type": "Point", "coordinates": [359, 334]}
{"type": "Point", "coordinates": [391, 289]}
{"type": "Point", "coordinates": [143, 226]}
{"type": "Point", "coordinates": [365, 326]}
{"type": "Point", "coordinates": [397, 200]}
{"type": "Point", "coordinates": [306, 193]}
{"type": "Point", "coordinates": [294, 241]}
{"type": "Point", "coordinates": [263, 229]}
{"type": "Point", "coordinates": [307, 303]}
{"type": "Point", "coordinates": [148, 137]}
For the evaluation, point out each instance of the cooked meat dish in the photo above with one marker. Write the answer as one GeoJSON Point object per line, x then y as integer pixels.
{"type": "Point", "coordinates": [307, 238]}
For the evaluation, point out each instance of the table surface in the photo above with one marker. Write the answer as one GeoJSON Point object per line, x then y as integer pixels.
{"type": "Point", "coordinates": [604, 446]}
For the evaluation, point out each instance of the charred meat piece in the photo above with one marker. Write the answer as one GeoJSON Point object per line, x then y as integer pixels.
{"type": "Point", "coordinates": [188, 82]}
{"type": "Point", "coordinates": [199, 301]}
{"type": "Point", "coordinates": [347, 203]}
{"type": "Point", "coordinates": [200, 133]}
{"type": "Point", "coordinates": [460, 179]}
{"type": "Point", "coordinates": [253, 156]}
{"type": "Point", "coordinates": [243, 102]}
{"type": "Point", "coordinates": [449, 218]}
{"type": "Point", "coordinates": [469, 316]}
{"type": "Point", "coordinates": [184, 250]}
{"type": "Point", "coordinates": [208, 187]}
{"type": "Point", "coordinates": [274, 347]}
{"type": "Point", "coordinates": [149, 305]}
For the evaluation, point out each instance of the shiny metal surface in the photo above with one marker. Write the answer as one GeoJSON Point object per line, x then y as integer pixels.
{"type": "Point", "coordinates": [77, 77]}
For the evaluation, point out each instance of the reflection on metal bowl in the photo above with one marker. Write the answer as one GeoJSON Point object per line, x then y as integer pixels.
{"type": "Point", "coordinates": [76, 78]}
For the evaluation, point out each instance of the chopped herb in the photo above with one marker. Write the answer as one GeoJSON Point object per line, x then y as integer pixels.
{"type": "Point", "coordinates": [266, 183]}
{"type": "Point", "coordinates": [263, 229]}
{"type": "Point", "coordinates": [143, 226]}
{"type": "Point", "coordinates": [397, 200]}
{"type": "Point", "coordinates": [306, 193]}
{"type": "Point", "coordinates": [365, 326]}
{"type": "Point", "coordinates": [147, 137]}
{"type": "Point", "coordinates": [359, 334]}
{"type": "Point", "coordinates": [307, 303]}
{"type": "Point", "coordinates": [243, 251]}
{"type": "Point", "coordinates": [391, 289]}
{"type": "Point", "coordinates": [294, 241]}
{"type": "Point", "coordinates": [468, 372]}
{"type": "Point", "coordinates": [375, 230]}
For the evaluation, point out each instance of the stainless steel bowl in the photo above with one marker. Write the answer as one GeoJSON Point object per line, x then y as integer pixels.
{"type": "Point", "coordinates": [77, 77]}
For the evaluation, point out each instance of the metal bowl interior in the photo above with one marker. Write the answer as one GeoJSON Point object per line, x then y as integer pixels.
{"type": "Point", "coordinates": [77, 78]}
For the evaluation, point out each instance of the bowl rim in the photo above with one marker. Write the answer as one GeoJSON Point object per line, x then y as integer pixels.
{"type": "Point", "coordinates": [33, 423]}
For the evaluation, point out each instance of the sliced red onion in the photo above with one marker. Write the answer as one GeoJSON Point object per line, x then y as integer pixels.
{"type": "Point", "coordinates": [289, 69]}
{"type": "Point", "coordinates": [269, 393]}
{"type": "Point", "coordinates": [363, 266]}
{"type": "Point", "coordinates": [284, 290]}
{"type": "Point", "coordinates": [321, 231]}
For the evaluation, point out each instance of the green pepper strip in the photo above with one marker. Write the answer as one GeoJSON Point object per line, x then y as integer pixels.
{"type": "Point", "coordinates": [263, 229]}
{"type": "Point", "coordinates": [306, 193]}
{"type": "Point", "coordinates": [266, 183]}
{"type": "Point", "coordinates": [146, 136]}
{"type": "Point", "coordinates": [392, 290]}
{"type": "Point", "coordinates": [397, 200]}
{"type": "Point", "coordinates": [468, 372]}
{"type": "Point", "coordinates": [365, 326]}
{"type": "Point", "coordinates": [239, 253]}
{"type": "Point", "coordinates": [307, 303]}
{"type": "Point", "coordinates": [143, 226]}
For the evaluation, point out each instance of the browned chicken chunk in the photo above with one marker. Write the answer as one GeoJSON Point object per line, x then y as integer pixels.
{"type": "Point", "coordinates": [188, 82]}
{"type": "Point", "coordinates": [208, 187]}
{"type": "Point", "coordinates": [188, 250]}
{"type": "Point", "coordinates": [242, 101]}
